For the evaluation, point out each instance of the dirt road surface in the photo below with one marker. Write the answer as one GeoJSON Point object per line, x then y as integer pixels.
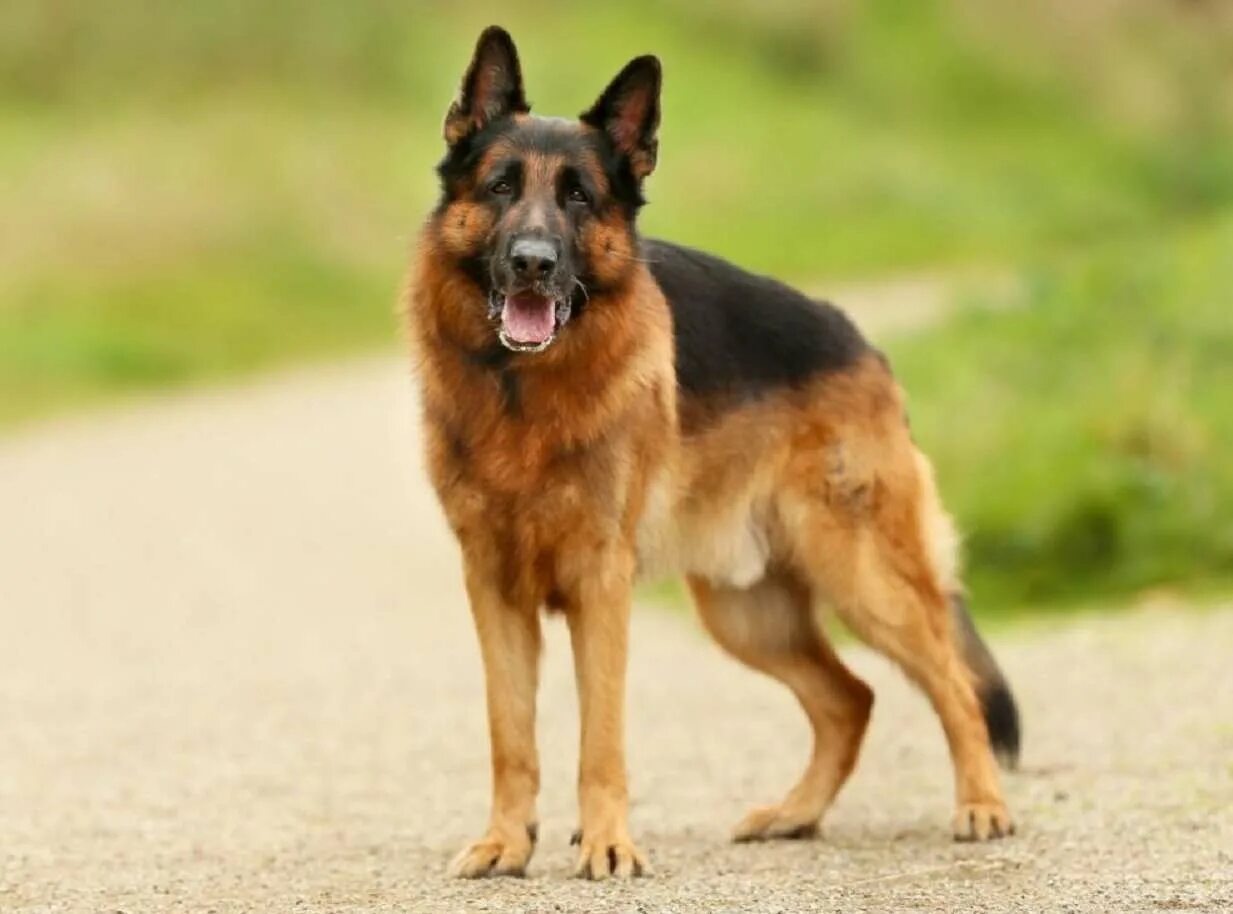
{"type": "Point", "coordinates": [237, 674]}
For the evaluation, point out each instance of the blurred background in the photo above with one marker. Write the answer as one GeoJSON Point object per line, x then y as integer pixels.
{"type": "Point", "coordinates": [194, 191]}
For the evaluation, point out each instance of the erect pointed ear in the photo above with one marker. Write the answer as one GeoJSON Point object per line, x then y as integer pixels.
{"type": "Point", "coordinates": [491, 88]}
{"type": "Point", "coordinates": [628, 111]}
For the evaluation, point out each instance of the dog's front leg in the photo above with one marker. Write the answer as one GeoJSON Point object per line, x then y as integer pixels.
{"type": "Point", "coordinates": [510, 642]}
{"type": "Point", "coordinates": [599, 632]}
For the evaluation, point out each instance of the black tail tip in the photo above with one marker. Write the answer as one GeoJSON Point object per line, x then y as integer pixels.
{"type": "Point", "coordinates": [1002, 719]}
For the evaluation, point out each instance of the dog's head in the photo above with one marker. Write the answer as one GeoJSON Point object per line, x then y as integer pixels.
{"type": "Point", "coordinates": [539, 213]}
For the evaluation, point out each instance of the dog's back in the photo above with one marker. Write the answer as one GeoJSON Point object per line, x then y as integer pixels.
{"type": "Point", "coordinates": [739, 336]}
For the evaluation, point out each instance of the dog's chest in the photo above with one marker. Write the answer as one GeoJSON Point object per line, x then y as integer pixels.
{"type": "Point", "coordinates": [727, 544]}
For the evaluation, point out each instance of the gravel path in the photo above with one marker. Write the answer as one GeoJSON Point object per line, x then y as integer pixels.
{"type": "Point", "coordinates": [237, 674]}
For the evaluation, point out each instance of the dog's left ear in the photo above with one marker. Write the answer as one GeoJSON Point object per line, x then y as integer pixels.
{"type": "Point", "coordinates": [628, 112]}
{"type": "Point", "coordinates": [491, 88]}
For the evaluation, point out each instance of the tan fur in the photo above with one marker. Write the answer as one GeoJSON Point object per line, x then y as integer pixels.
{"type": "Point", "coordinates": [545, 504]}
{"type": "Point", "coordinates": [567, 472]}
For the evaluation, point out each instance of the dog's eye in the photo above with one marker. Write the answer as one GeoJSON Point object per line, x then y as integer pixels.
{"type": "Point", "coordinates": [578, 195]}
{"type": "Point", "coordinates": [501, 188]}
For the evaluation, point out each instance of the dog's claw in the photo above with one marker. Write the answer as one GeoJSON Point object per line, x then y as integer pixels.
{"type": "Point", "coordinates": [982, 822]}
{"type": "Point", "coordinates": [618, 857]}
{"type": "Point", "coordinates": [494, 855]}
{"type": "Point", "coordinates": [775, 822]}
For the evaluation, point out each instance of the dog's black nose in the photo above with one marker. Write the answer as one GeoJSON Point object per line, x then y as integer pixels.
{"type": "Point", "coordinates": [533, 258]}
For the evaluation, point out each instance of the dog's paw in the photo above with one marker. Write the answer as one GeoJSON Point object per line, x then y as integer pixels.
{"type": "Point", "coordinates": [763, 823]}
{"type": "Point", "coordinates": [498, 853]}
{"type": "Point", "coordinates": [982, 822]}
{"type": "Point", "coordinates": [608, 852]}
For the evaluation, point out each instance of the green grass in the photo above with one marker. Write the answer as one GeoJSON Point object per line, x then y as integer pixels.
{"type": "Point", "coordinates": [70, 345]}
{"type": "Point", "coordinates": [1082, 437]}
{"type": "Point", "coordinates": [195, 190]}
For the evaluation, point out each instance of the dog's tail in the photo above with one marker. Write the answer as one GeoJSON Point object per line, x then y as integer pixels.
{"type": "Point", "coordinates": [998, 705]}
{"type": "Point", "coordinates": [996, 701]}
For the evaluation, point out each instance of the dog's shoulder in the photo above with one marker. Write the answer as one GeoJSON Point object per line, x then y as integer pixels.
{"type": "Point", "coordinates": [743, 334]}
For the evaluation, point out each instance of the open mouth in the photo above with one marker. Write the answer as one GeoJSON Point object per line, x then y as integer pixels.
{"type": "Point", "coordinates": [529, 320]}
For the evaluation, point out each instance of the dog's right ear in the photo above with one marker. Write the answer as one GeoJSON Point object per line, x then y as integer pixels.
{"type": "Point", "coordinates": [491, 88]}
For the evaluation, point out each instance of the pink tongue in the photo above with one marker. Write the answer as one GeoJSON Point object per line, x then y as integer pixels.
{"type": "Point", "coordinates": [528, 318]}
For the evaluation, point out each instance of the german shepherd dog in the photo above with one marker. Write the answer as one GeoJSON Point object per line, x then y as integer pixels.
{"type": "Point", "coordinates": [599, 405]}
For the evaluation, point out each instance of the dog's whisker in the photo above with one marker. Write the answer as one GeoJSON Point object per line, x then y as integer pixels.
{"type": "Point", "coordinates": [631, 258]}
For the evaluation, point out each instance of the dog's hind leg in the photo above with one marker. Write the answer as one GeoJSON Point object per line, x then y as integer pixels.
{"type": "Point", "coordinates": [770, 626]}
{"type": "Point", "coordinates": [883, 560]}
